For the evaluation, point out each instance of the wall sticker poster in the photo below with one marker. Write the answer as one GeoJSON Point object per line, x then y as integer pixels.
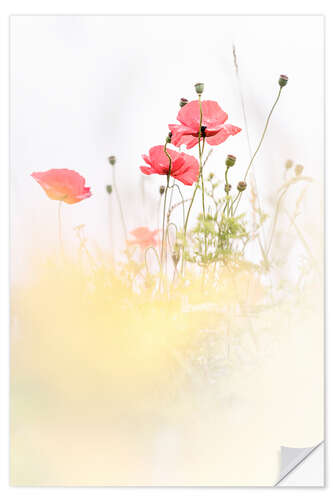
{"type": "Point", "coordinates": [166, 249]}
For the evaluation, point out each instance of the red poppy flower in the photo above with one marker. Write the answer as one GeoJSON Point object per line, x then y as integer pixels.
{"type": "Point", "coordinates": [184, 168]}
{"type": "Point", "coordinates": [213, 126]}
{"type": "Point", "coordinates": [144, 237]}
{"type": "Point", "coordinates": [63, 185]}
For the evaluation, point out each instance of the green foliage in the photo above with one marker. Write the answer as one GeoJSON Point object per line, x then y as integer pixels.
{"type": "Point", "coordinates": [221, 232]}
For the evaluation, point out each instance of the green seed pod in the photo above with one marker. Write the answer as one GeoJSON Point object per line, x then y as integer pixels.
{"type": "Point", "coordinates": [108, 188]}
{"type": "Point", "coordinates": [227, 188]}
{"type": "Point", "coordinates": [199, 88]}
{"type": "Point", "coordinates": [230, 160]}
{"type": "Point", "coordinates": [183, 101]}
{"type": "Point", "coordinates": [241, 186]}
{"type": "Point", "coordinates": [283, 80]}
{"type": "Point", "coordinates": [112, 160]}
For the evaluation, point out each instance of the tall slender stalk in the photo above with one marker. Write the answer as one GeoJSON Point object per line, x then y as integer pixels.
{"type": "Point", "coordinates": [226, 206]}
{"type": "Point", "coordinates": [119, 201]}
{"type": "Point", "coordinates": [156, 255]}
{"type": "Point", "coordinates": [246, 127]}
{"type": "Point", "coordinates": [239, 195]}
{"type": "Point", "coordinates": [201, 172]}
{"type": "Point", "coordinates": [164, 208]}
{"type": "Point", "coordinates": [189, 208]}
{"type": "Point", "coordinates": [201, 165]}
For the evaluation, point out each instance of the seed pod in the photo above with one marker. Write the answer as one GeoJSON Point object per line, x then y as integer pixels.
{"type": "Point", "coordinates": [241, 186]}
{"type": "Point", "coordinates": [199, 88]}
{"type": "Point", "coordinates": [227, 188]}
{"type": "Point", "coordinates": [283, 80]}
{"type": "Point", "coordinates": [108, 188]}
{"type": "Point", "coordinates": [162, 190]}
{"type": "Point", "coordinates": [230, 160]}
{"type": "Point", "coordinates": [183, 101]}
{"type": "Point", "coordinates": [112, 160]}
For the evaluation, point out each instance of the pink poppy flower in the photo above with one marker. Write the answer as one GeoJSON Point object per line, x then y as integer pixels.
{"type": "Point", "coordinates": [63, 185]}
{"type": "Point", "coordinates": [144, 237]}
{"type": "Point", "coordinates": [184, 168]}
{"type": "Point", "coordinates": [213, 126]}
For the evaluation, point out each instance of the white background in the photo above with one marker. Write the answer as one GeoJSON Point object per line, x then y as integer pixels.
{"type": "Point", "coordinates": [104, 7]}
{"type": "Point", "coordinates": [85, 87]}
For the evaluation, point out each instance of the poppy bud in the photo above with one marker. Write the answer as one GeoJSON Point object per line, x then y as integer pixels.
{"type": "Point", "coordinates": [283, 80]}
{"type": "Point", "coordinates": [108, 188]}
{"type": "Point", "coordinates": [168, 138]}
{"type": "Point", "coordinates": [299, 169]}
{"type": "Point", "coordinates": [288, 164]}
{"type": "Point", "coordinates": [227, 188]}
{"type": "Point", "coordinates": [112, 160]}
{"type": "Point", "coordinates": [199, 88]}
{"type": "Point", "coordinates": [183, 101]}
{"type": "Point", "coordinates": [162, 189]}
{"type": "Point", "coordinates": [241, 186]}
{"type": "Point", "coordinates": [230, 160]}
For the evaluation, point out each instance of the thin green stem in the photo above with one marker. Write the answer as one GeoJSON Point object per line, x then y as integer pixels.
{"type": "Point", "coordinates": [119, 201]}
{"type": "Point", "coordinates": [171, 224]}
{"type": "Point", "coordinates": [226, 206]}
{"type": "Point", "coordinates": [201, 173]}
{"type": "Point", "coordinates": [246, 127]}
{"type": "Point", "coordinates": [201, 165]}
{"type": "Point", "coordinates": [182, 197]}
{"type": "Point", "coordinates": [186, 223]}
{"type": "Point", "coordinates": [164, 208]}
{"type": "Point", "coordinates": [239, 196]}
{"type": "Point", "coordinates": [171, 195]}
{"type": "Point", "coordinates": [156, 254]}
{"type": "Point", "coordinates": [277, 210]}
{"type": "Point", "coordinates": [189, 208]}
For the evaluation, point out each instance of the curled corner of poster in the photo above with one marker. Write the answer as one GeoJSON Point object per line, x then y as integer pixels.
{"type": "Point", "coordinates": [302, 466]}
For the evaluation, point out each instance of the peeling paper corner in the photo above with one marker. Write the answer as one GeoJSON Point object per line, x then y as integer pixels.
{"type": "Point", "coordinates": [291, 458]}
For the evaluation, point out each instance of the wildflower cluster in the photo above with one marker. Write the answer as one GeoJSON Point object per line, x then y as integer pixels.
{"type": "Point", "coordinates": [219, 232]}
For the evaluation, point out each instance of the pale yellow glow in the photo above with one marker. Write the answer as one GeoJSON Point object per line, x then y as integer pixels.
{"type": "Point", "coordinates": [114, 387]}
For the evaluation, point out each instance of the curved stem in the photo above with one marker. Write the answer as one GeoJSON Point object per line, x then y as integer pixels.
{"type": "Point", "coordinates": [226, 183]}
{"type": "Point", "coordinates": [156, 254]}
{"type": "Point", "coordinates": [258, 147]}
{"type": "Point", "coordinates": [189, 209]}
{"type": "Point", "coordinates": [171, 224]}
